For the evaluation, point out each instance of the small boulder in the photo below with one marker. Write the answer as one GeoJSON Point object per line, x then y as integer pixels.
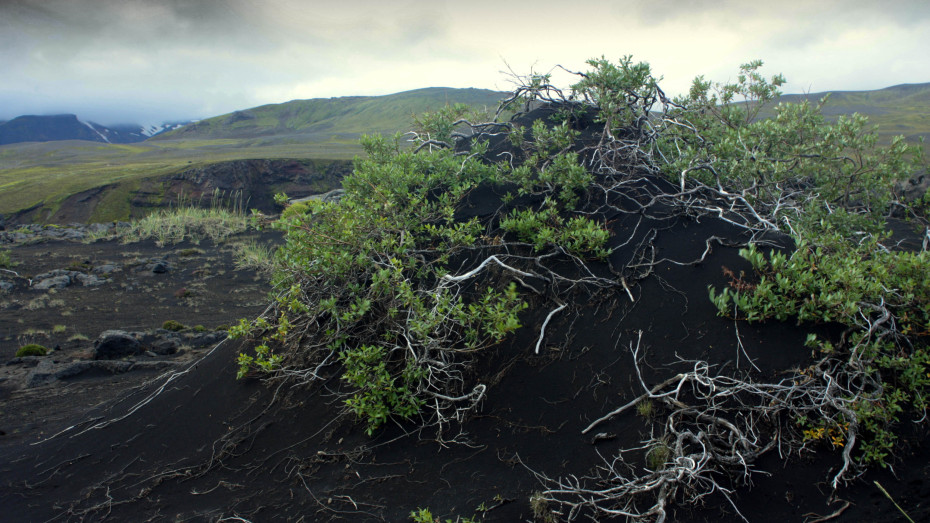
{"type": "Point", "coordinates": [89, 280]}
{"type": "Point", "coordinates": [165, 346]}
{"type": "Point", "coordinates": [210, 338]}
{"type": "Point", "coordinates": [105, 269]}
{"type": "Point", "coordinates": [55, 282]}
{"type": "Point", "coordinates": [114, 344]}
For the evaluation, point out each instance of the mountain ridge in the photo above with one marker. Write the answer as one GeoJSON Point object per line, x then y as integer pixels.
{"type": "Point", "coordinates": [339, 118]}
{"type": "Point", "coordinates": [59, 127]}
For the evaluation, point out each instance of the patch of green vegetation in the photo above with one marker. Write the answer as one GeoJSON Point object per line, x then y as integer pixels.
{"type": "Point", "coordinates": [173, 325]}
{"type": "Point", "coordinates": [657, 456]}
{"type": "Point", "coordinates": [424, 515]}
{"type": "Point", "coordinates": [374, 258]}
{"type": "Point", "coordinates": [169, 226]}
{"type": "Point", "coordinates": [59, 329]}
{"type": "Point", "coordinates": [252, 255]}
{"type": "Point", "coordinates": [78, 337]}
{"type": "Point", "coordinates": [116, 203]}
{"type": "Point", "coordinates": [6, 262]}
{"type": "Point", "coordinates": [646, 408]}
{"type": "Point", "coordinates": [32, 349]}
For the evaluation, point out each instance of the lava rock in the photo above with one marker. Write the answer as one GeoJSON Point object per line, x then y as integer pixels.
{"type": "Point", "coordinates": [114, 344]}
{"type": "Point", "coordinates": [165, 346]}
{"type": "Point", "coordinates": [210, 338]}
{"type": "Point", "coordinates": [89, 280]}
{"type": "Point", "coordinates": [105, 269]}
{"type": "Point", "coordinates": [55, 282]}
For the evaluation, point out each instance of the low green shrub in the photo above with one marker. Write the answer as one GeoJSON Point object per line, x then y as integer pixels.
{"type": "Point", "coordinates": [5, 261]}
{"type": "Point", "coordinates": [172, 325]}
{"type": "Point", "coordinates": [32, 349]}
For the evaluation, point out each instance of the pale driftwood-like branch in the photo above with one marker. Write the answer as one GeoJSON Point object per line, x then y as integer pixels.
{"type": "Point", "coordinates": [542, 331]}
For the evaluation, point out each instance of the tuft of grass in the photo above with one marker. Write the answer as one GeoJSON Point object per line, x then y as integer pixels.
{"type": "Point", "coordinates": [541, 511]}
{"type": "Point", "coordinates": [646, 409]}
{"type": "Point", "coordinates": [59, 329]}
{"type": "Point", "coordinates": [252, 255]}
{"type": "Point", "coordinates": [189, 221]}
{"type": "Point", "coordinates": [78, 337]}
{"type": "Point", "coordinates": [657, 456]}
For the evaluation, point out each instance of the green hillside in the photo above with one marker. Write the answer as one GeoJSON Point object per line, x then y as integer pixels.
{"type": "Point", "coordinates": [45, 173]}
{"type": "Point", "coordinates": [336, 119]}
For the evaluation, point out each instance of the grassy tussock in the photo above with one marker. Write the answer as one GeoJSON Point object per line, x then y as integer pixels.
{"type": "Point", "coordinates": [224, 218]}
{"type": "Point", "coordinates": [169, 227]}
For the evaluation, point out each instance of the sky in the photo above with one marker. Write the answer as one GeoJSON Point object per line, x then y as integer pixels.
{"type": "Point", "coordinates": [150, 61]}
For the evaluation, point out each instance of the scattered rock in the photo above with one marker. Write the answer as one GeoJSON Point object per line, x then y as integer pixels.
{"type": "Point", "coordinates": [205, 339]}
{"type": "Point", "coordinates": [107, 268]}
{"type": "Point", "coordinates": [55, 282]}
{"type": "Point", "coordinates": [160, 268]}
{"type": "Point", "coordinates": [113, 344]}
{"type": "Point", "coordinates": [166, 346]}
{"type": "Point", "coordinates": [6, 285]}
{"type": "Point", "coordinates": [89, 280]}
{"type": "Point", "coordinates": [26, 361]}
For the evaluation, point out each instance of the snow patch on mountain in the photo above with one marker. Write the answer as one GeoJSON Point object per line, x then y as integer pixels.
{"type": "Point", "coordinates": [93, 128]}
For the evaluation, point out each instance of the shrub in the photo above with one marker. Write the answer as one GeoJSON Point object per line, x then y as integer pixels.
{"type": "Point", "coordinates": [370, 280]}
{"type": "Point", "coordinates": [5, 261]}
{"type": "Point", "coordinates": [32, 349]}
{"type": "Point", "coordinates": [172, 325]}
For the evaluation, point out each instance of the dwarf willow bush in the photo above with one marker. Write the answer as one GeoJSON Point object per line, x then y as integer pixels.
{"type": "Point", "coordinates": [831, 188]}
{"type": "Point", "coordinates": [367, 281]}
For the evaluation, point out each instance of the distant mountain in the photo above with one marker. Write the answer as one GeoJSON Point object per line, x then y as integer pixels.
{"type": "Point", "coordinates": [342, 118]}
{"type": "Point", "coordinates": [57, 127]}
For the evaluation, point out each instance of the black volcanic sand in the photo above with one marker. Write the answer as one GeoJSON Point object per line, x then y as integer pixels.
{"type": "Point", "coordinates": [200, 285]}
{"type": "Point", "coordinates": [199, 445]}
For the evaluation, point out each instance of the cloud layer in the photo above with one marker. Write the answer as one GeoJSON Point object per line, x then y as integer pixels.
{"type": "Point", "coordinates": [143, 61]}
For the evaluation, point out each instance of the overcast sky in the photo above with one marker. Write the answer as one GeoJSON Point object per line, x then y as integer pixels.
{"type": "Point", "coordinates": [148, 61]}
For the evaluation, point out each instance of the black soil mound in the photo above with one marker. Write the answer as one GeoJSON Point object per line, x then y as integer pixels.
{"type": "Point", "coordinates": [199, 445]}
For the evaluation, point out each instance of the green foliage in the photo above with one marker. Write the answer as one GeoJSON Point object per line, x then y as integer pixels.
{"type": "Point", "coordinates": [579, 235]}
{"type": "Point", "coordinates": [623, 92]}
{"type": "Point", "coordinates": [423, 515]}
{"type": "Point", "coordinates": [657, 456]}
{"type": "Point", "coordinates": [779, 163]}
{"type": "Point", "coordinates": [379, 393]}
{"type": "Point", "coordinates": [172, 325]}
{"type": "Point", "coordinates": [549, 167]}
{"type": "Point", "coordinates": [296, 209]}
{"type": "Point", "coordinates": [31, 349]}
{"type": "Point", "coordinates": [359, 277]}
{"type": "Point", "coordinates": [853, 285]}
{"type": "Point", "coordinates": [5, 261]}
{"type": "Point", "coordinates": [439, 125]}
{"type": "Point", "coordinates": [646, 408]}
